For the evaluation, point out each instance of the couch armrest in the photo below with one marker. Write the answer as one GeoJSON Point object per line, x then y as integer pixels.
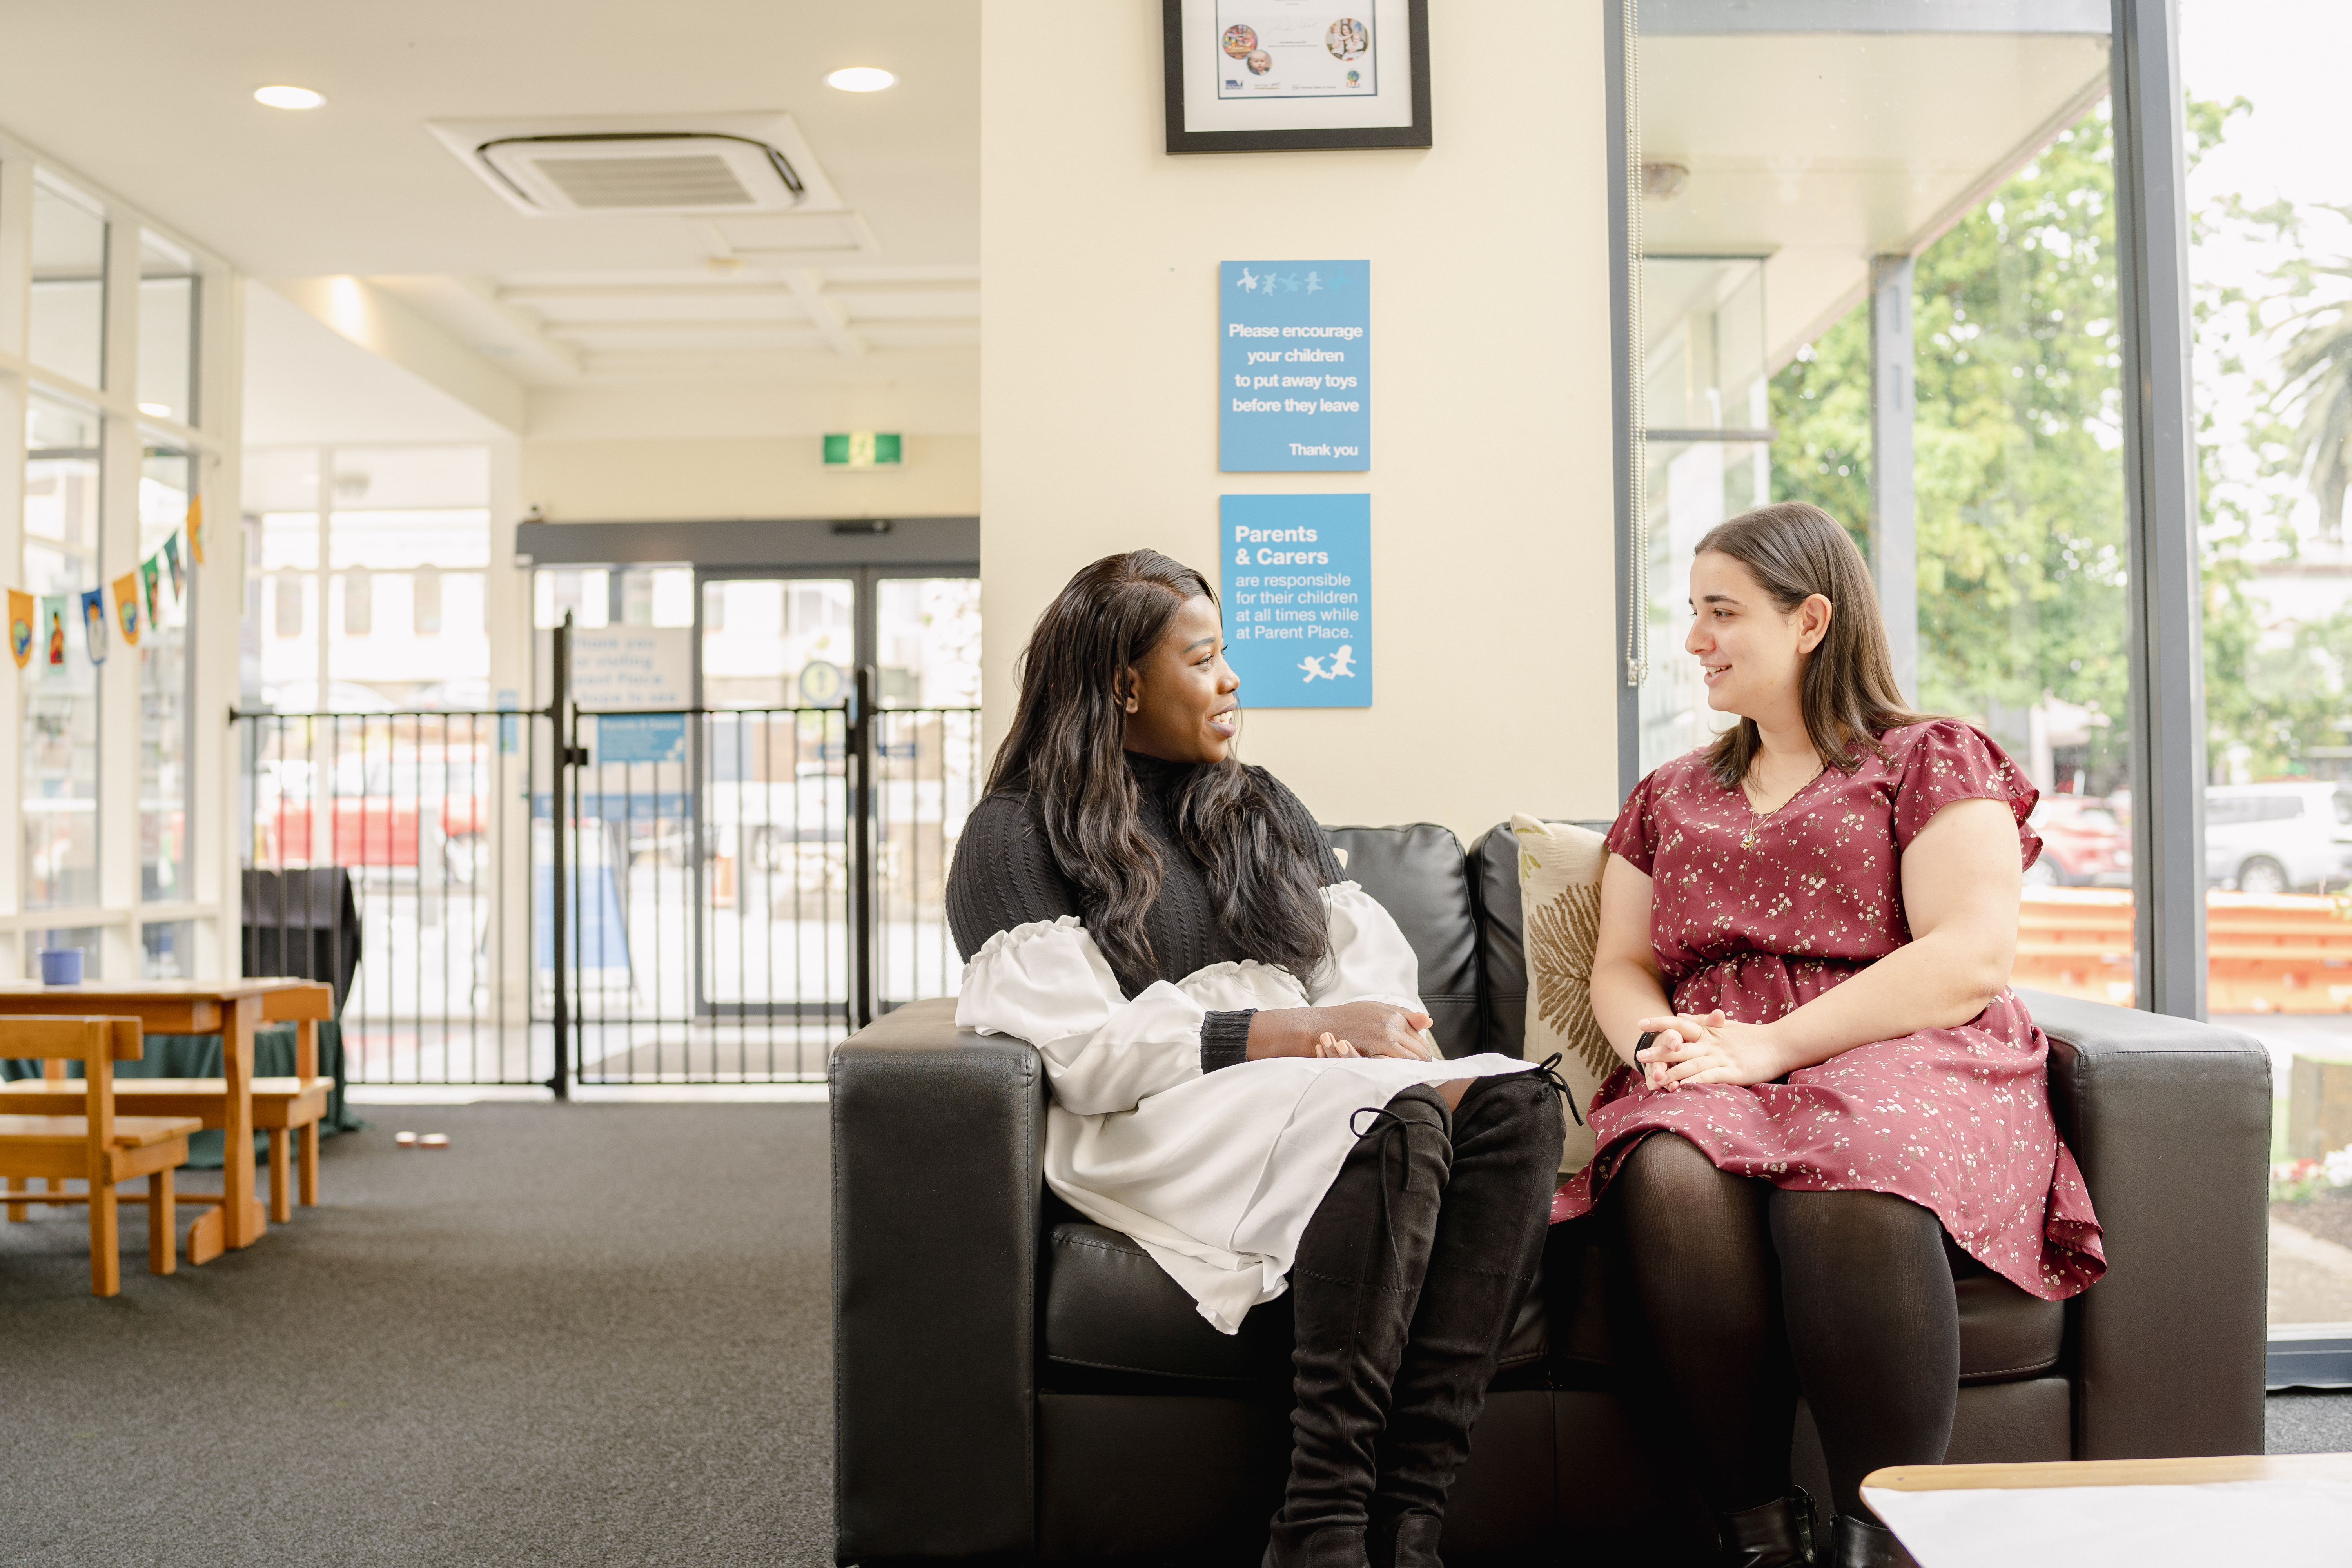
{"type": "Point", "coordinates": [2170, 1119]}
{"type": "Point", "coordinates": [938, 1168]}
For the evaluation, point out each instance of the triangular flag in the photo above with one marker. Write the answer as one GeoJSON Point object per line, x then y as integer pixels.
{"type": "Point", "coordinates": [22, 615]}
{"type": "Point", "coordinates": [54, 609]}
{"type": "Point", "coordinates": [126, 606]}
{"type": "Point", "coordinates": [151, 572]}
{"type": "Point", "coordinates": [93, 625]}
{"type": "Point", "coordinates": [172, 560]}
{"type": "Point", "coordinates": [196, 527]}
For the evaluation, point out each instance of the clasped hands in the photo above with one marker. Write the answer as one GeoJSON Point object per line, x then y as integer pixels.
{"type": "Point", "coordinates": [1350, 1029]}
{"type": "Point", "coordinates": [1692, 1047]}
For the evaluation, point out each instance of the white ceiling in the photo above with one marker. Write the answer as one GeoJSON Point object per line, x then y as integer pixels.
{"type": "Point", "coordinates": [1819, 151]}
{"type": "Point", "coordinates": [154, 100]}
{"type": "Point", "coordinates": [306, 385]}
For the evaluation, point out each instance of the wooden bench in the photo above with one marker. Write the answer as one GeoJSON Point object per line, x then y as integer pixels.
{"type": "Point", "coordinates": [97, 1145]}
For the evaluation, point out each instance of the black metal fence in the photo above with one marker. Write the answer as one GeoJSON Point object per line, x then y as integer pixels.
{"type": "Point", "coordinates": [685, 896]}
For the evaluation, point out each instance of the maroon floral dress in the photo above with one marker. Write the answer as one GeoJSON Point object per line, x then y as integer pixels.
{"type": "Point", "coordinates": [1758, 915]}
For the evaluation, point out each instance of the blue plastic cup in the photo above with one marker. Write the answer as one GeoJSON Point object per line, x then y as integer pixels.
{"type": "Point", "coordinates": [60, 965]}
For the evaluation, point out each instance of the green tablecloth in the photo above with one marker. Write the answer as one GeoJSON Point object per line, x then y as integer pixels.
{"type": "Point", "coordinates": [199, 1056]}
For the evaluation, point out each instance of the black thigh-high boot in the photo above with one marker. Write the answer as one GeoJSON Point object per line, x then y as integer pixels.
{"type": "Point", "coordinates": [1490, 1233]}
{"type": "Point", "coordinates": [1353, 1287]}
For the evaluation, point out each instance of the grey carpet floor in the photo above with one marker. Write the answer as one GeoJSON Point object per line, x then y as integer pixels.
{"type": "Point", "coordinates": [583, 1334]}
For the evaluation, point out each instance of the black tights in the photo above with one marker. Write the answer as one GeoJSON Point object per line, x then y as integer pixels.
{"type": "Point", "coordinates": [1744, 1293]}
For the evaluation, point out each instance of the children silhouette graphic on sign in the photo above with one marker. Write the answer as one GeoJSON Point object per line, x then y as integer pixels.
{"type": "Point", "coordinates": [1343, 663]}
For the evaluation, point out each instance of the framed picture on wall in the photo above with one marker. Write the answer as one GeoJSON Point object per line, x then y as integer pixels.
{"type": "Point", "coordinates": [1264, 75]}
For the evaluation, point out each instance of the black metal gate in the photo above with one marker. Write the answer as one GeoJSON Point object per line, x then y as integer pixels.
{"type": "Point", "coordinates": [681, 896]}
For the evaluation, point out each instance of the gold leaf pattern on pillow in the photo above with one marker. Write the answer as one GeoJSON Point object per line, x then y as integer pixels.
{"type": "Point", "coordinates": [1561, 934]}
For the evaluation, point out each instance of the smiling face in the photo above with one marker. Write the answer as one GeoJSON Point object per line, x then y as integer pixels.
{"type": "Point", "coordinates": [1180, 697]}
{"type": "Point", "coordinates": [1750, 651]}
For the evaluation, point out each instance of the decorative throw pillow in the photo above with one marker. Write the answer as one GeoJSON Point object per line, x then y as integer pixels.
{"type": "Point", "coordinates": [1560, 903]}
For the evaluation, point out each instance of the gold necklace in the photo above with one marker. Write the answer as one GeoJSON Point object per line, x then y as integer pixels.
{"type": "Point", "coordinates": [1757, 819]}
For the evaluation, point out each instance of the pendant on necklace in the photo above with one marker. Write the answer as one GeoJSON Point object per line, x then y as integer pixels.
{"type": "Point", "coordinates": [1749, 841]}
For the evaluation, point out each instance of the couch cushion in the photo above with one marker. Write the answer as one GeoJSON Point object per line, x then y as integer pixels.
{"type": "Point", "coordinates": [1108, 1308]}
{"type": "Point", "coordinates": [2005, 1333]}
{"type": "Point", "coordinates": [1418, 874]}
{"type": "Point", "coordinates": [1494, 875]}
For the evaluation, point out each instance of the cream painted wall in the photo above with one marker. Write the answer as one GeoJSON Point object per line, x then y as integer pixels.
{"type": "Point", "coordinates": [664, 481]}
{"type": "Point", "coordinates": [1491, 484]}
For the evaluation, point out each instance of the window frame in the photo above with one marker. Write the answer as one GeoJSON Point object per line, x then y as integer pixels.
{"type": "Point", "coordinates": [119, 916]}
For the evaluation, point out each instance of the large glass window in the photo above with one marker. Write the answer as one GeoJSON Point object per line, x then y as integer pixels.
{"type": "Point", "coordinates": [1893, 294]}
{"type": "Point", "coordinates": [167, 330]}
{"type": "Point", "coordinates": [2271, 261]}
{"type": "Point", "coordinates": [383, 608]}
{"type": "Point", "coordinates": [61, 766]}
{"type": "Point", "coordinates": [68, 327]}
{"type": "Point", "coordinates": [166, 785]}
{"type": "Point", "coordinates": [402, 513]}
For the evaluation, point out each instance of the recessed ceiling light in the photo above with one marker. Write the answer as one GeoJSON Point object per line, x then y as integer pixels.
{"type": "Point", "coordinates": [283, 97]}
{"type": "Point", "coordinates": [160, 410]}
{"type": "Point", "coordinates": [860, 79]}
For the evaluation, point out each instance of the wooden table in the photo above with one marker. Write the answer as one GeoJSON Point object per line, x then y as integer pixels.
{"type": "Point", "coordinates": [233, 1009]}
{"type": "Point", "coordinates": [2296, 1514]}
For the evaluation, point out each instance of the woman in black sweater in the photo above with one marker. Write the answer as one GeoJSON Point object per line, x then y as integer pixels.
{"type": "Point", "coordinates": [1221, 1015]}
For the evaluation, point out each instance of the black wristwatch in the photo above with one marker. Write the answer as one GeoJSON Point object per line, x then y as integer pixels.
{"type": "Point", "coordinates": [1643, 1043]}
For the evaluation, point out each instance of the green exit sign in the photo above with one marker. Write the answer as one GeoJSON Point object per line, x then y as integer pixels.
{"type": "Point", "coordinates": [862, 450]}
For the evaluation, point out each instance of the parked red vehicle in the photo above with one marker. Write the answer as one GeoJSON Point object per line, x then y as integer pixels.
{"type": "Point", "coordinates": [2085, 844]}
{"type": "Point", "coordinates": [423, 811]}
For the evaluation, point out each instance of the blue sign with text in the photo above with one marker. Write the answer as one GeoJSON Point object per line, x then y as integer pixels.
{"type": "Point", "coordinates": [1298, 598]}
{"type": "Point", "coordinates": [1294, 356]}
{"type": "Point", "coordinates": [641, 738]}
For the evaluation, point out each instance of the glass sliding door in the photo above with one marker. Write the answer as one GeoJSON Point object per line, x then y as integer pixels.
{"type": "Point", "coordinates": [778, 661]}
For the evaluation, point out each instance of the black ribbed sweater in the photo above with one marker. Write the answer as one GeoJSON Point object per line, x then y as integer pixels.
{"type": "Point", "coordinates": [1005, 874]}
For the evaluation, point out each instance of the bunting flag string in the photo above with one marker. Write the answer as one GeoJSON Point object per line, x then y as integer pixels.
{"type": "Point", "coordinates": [22, 617]}
{"type": "Point", "coordinates": [126, 607]}
{"type": "Point", "coordinates": [54, 609]}
{"type": "Point", "coordinates": [37, 624]}
{"type": "Point", "coordinates": [93, 624]}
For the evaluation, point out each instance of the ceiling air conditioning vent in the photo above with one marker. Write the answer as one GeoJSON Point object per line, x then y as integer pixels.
{"type": "Point", "coordinates": [697, 166]}
{"type": "Point", "coordinates": [662, 173]}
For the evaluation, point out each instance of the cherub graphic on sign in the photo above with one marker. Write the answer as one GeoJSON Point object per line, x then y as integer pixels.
{"type": "Point", "coordinates": [1247, 282]}
{"type": "Point", "coordinates": [1314, 283]}
{"type": "Point", "coordinates": [1343, 664]}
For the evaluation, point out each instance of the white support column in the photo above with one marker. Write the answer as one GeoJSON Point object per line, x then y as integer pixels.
{"type": "Point", "coordinates": [118, 531]}
{"type": "Point", "coordinates": [1894, 524]}
{"type": "Point", "coordinates": [16, 304]}
{"type": "Point", "coordinates": [217, 857]}
{"type": "Point", "coordinates": [507, 606]}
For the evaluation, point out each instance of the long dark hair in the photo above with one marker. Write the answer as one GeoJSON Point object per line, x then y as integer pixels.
{"type": "Point", "coordinates": [1064, 749]}
{"type": "Point", "coordinates": [1795, 549]}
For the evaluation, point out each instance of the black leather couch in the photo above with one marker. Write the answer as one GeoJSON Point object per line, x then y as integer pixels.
{"type": "Point", "coordinates": [1013, 1385]}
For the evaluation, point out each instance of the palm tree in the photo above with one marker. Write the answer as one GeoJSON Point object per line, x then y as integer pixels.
{"type": "Point", "coordinates": [2317, 363]}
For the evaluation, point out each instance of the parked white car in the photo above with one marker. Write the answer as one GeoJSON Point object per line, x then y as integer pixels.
{"type": "Point", "coordinates": [2278, 837]}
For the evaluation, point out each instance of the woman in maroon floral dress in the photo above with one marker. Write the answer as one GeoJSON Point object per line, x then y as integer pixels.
{"type": "Point", "coordinates": [1834, 1103]}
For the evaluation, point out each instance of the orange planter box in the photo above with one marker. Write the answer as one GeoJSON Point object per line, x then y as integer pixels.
{"type": "Point", "coordinates": [2289, 953]}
